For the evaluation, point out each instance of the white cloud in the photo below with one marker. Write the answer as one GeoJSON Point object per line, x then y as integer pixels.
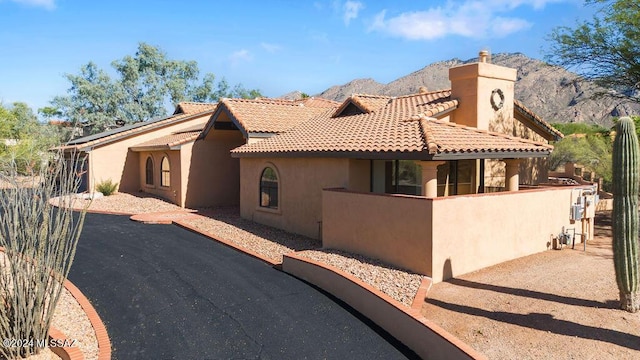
{"type": "Point", "coordinates": [272, 48]}
{"type": "Point", "coordinates": [351, 9]}
{"type": "Point", "coordinates": [471, 18]}
{"type": "Point", "coordinates": [240, 56]}
{"type": "Point", "coordinates": [47, 4]}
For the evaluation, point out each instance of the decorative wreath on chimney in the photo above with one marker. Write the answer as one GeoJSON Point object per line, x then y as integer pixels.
{"type": "Point", "coordinates": [497, 99]}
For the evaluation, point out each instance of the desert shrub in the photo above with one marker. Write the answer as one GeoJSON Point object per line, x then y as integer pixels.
{"type": "Point", "coordinates": [39, 242]}
{"type": "Point", "coordinates": [107, 187]}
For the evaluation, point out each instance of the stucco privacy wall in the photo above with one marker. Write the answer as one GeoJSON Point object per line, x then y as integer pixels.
{"type": "Point", "coordinates": [448, 236]}
{"type": "Point", "coordinates": [114, 161]}
{"type": "Point", "coordinates": [475, 231]}
{"type": "Point", "coordinates": [301, 181]}
{"type": "Point", "coordinates": [392, 228]}
{"type": "Point", "coordinates": [212, 175]}
{"type": "Point", "coordinates": [174, 191]}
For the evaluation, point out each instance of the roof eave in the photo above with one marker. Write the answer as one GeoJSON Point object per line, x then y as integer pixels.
{"type": "Point", "coordinates": [398, 155]}
{"type": "Point", "coordinates": [222, 107]}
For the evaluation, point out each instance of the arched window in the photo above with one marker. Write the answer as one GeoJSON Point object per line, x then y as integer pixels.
{"type": "Point", "coordinates": [269, 188]}
{"type": "Point", "coordinates": [165, 172]}
{"type": "Point", "coordinates": [148, 171]}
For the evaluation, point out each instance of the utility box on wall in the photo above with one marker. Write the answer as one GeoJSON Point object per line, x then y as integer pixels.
{"type": "Point", "coordinates": [576, 212]}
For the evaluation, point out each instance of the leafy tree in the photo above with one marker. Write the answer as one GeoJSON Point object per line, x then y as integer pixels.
{"type": "Point", "coordinates": [605, 49]}
{"type": "Point", "coordinates": [24, 139]}
{"type": "Point", "coordinates": [592, 151]}
{"type": "Point", "coordinates": [144, 84]}
{"type": "Point", "coordinates": [581, 128]}
{"type": "Point", "coordinates": [49, 112]}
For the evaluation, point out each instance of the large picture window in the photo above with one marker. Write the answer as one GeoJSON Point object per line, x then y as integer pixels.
{"type": "Point", "coordinates": [148, 169]}
{"type": "Point", "coordinates": [269, 188]}
{"type": "Point", "coordinates": [165, 172]}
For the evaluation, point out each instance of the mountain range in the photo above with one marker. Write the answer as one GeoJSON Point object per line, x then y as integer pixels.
{"type": "Point", "coordinates": [555, 94]}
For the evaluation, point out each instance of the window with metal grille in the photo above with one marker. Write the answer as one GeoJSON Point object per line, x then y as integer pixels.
{"type": "Point", "coordinates": [149, 171]}
{"type": "Point", "coordinates": [269, 188]}
{"type": "Point", "coordinates": [165, 172]}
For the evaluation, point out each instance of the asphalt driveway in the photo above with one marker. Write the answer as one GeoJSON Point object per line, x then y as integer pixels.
{"type": "Point", "coordinates": [166, 293]}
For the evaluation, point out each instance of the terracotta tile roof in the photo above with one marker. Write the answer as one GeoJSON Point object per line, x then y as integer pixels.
{"type": "Point", "coordinates": [373, 103]}
{"type": "Point", "coordinates": [187, 107]}
{"type": "Point", "coordinates": [318, 102]}
{"type": "Point", "coordinates": [526, 112]}
{"type": "Point", "coordinates": [197, 127]}
{"type": "Point", "coordinates": [401, 126]}
{"type": "Point", "coordinates": [264, 115]}
{"type": "Point", "coordinates": [130, 130]}
{"type": "Point", "coordinates": [366, 103]}
{"type": "Point", "coordinates": [167, 142]}
{"type": "Point", "coordinates": [443, 137]}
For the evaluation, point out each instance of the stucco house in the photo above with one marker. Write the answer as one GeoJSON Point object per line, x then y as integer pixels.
{"type": "Point", "coordinates": [429, 182]}
{"type": "Point", "coordinates": [438, 182]}
{"type": "Point", "coordinates": [111, 155]}
{"type": "Point", "coordinates": [214, 176]}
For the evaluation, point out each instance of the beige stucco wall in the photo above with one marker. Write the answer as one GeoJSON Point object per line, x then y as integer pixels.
{"type": "Point", "coordinates": [173, 192]}
{"type": "Point", "coordinates": [476, 231]}
{"type": "Point", "coordinates": [472, 85]}
{"type": "Point", "coordinates": [301, 181]}
{"type": "Point", "coordinates": [445, 237]}
{"type": "Point", "coordinates": [393, 228]}
{"type": "Point", "coordinates": [114, 161]}
{"type": "Point", "coordinates": [213, 175]}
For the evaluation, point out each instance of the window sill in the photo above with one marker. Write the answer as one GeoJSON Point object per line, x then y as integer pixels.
{"type": "Point", "coordinates": [277, 211]}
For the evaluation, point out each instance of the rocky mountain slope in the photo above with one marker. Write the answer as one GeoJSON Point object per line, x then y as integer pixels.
{"type": "Point", "coordinates": [552, 92]}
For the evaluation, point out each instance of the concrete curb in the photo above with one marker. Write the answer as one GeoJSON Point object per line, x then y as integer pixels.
{"type": "Point", "coordinates": [407, 325]}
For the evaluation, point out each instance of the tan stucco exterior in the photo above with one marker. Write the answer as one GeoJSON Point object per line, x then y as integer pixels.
{"type": "Point", "coordinates": [473, 85]}
{"type": "Point", "coordinates": [114, 160]}
{"type": "Point", "coordinates": [213, 175]}
{"type": "Point", "coordinates": [174, 192]}
{"type": "Point", "coordinates": [445, 237]}
{"type": "Point", "coordinates": [394, 228]}
{"type": "Point", "coordinates": [301, 181]}
{"type": "Point", "coordinates": [202, 172]}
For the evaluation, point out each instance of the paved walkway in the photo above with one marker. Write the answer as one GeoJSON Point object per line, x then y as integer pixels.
{"type": "Point", "coordinates": [166, 293]}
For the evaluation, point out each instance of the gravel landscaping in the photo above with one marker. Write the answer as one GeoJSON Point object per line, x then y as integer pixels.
{"type": "Point", "coordinates": [226, 223]}
{"type": "Point", "coordinates": [71, 320]}
{"type": "Point", "coordinates": [122, 203]}
{"type": "Point", "coordinates": [398, 284]}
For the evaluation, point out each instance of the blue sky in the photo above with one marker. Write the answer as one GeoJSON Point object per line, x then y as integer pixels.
{"type": "Point", "coordinates": [276, 46]}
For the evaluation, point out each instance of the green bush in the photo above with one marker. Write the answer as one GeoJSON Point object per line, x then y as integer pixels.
{"type": "Point", "coordinates": [107, 187]}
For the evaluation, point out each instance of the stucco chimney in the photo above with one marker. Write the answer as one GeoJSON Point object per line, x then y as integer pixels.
{"type": "Point", "coordinates": [485, 93]}
{"type": "Point", "coordinates": [484, 55]}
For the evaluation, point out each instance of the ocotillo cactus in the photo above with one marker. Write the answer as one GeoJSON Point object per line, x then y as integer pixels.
{"type": "Point", "coordinates": [625, 213]}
